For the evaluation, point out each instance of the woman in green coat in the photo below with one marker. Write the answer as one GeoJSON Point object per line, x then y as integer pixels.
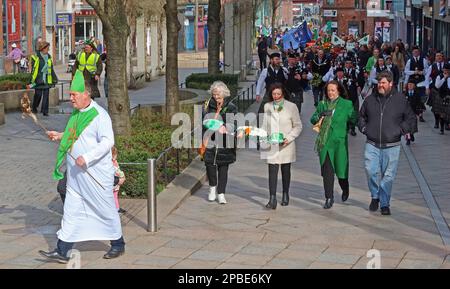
{"type": "Point", "coordinates": [337, 114]}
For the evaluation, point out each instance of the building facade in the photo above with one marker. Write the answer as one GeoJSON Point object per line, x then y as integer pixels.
{"type": "Point", "coordinates": [186, 17]}
{"type": "Point", "coordinates": [358, 17]}
{"type": "Point", "coordinates": [425, 23]}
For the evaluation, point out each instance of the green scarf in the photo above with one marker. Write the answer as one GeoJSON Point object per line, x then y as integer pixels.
{"type": "Point", "coordinates": [322, 138]}
{"type": "Point", "coordinates": [278, 106]}
{"type": "Point", "coordinates": [78, 121]}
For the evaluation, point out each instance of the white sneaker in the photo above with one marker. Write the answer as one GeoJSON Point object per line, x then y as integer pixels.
{"type": "Point", "coordinates": [212, 194]}
{"type": "Point", "coordinates": [222, 199]}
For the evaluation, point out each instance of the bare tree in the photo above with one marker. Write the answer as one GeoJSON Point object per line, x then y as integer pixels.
{"type": "Point", "coordinates": [214, 7]}
{"type": "Point", "coordinates": [173, 26]}
{"type": "Point", "coordinates": [275, 5]}
{"type": "Point", "coordinates": [116, 30]}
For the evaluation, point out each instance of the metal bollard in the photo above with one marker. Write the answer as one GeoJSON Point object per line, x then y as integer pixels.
{"type": "Point", "coordinates": [151, 196]}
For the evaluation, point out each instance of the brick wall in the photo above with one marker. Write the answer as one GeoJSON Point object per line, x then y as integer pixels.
{"type": "Point", "coordinates": [346, 13]}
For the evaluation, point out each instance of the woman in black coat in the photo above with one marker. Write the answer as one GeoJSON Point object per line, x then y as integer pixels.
{"type": "Point", "coordinates": [220, 143]}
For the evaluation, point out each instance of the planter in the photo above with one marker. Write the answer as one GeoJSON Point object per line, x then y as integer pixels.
{"type": "Point", "coordinates": [11, 99]}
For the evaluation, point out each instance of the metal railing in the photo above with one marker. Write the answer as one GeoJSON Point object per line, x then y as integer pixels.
{"type": "Point", "coordinates": [62, 83]}
{"type": "Point", "coordinates": [158, 169]}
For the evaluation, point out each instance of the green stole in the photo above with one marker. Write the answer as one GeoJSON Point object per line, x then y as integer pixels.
{"type": "Point", "coordinates": [78, 121]}
{"type": "Point", "coordinates": [322, 138]}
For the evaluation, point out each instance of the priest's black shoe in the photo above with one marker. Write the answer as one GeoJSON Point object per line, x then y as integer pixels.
{"type": "Point", "coordinates": [272, 204]}
{"type": "Point", "coordinates": [353, 132]}
{"type": "Point", "coordinates": [114, 253]}
{"type": "Point", "coordinates": [328, 203]}
{"type": "Point", "coordinates": [54, 256]}
{"type": "Point", "coordinates": [421, 119]}
{"type": "Point", "coordinates": [345, 195]}
{"type": "Point", "coordinates": [285, 200]}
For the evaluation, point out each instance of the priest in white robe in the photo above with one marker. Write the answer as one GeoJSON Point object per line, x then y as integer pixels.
{"type": "Point", "coordinates": [89, 210]}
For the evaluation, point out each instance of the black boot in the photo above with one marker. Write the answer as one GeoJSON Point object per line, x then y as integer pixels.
{"type": "Point", "coordinates": [285, 200]}
{"type": "Point", "coordinates": [272, 204]}
{"type": "Point", "coordinates": [345, 194]}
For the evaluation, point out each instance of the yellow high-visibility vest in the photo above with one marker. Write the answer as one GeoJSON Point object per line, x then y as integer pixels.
{"type": "Point", "coordinates": [35, 58]}
{"type": "Point", "coordinates": [90, 64]}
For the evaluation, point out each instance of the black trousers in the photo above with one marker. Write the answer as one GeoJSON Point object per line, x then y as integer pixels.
{"type": "Point", "coordinates": [328, 179]}
{"type": "Point", "coordinates": [318, 94]}
{"type": "Point", "coordinates": [438, 120]}
{"type": "Point", "coordinates": [38, 94]}
{"type": "Point", "coordinates": [262, 60]}
{"type": "Point", "coordinates": [212, 171]}
{"type": "Point", "coordinates": [297, 98]}
{"type": "Point", "coordinates": [285, 176]}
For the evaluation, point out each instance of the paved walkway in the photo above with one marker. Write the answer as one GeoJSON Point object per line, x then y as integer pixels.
{"type": "Point", "coordinates": [241, 234]}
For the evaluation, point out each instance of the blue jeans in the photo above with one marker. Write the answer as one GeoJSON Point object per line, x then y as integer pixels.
{"type": "Point", "coordinates": [64, 247]}
{"type": "Point", "coordinates": [381, 168]}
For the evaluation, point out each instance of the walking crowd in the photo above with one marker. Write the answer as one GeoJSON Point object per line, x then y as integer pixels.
{"type": "Point", "coordinates": [381, 88]}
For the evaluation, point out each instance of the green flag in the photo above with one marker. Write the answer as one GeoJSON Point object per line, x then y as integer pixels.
{"type": "Point", "coordinates": [78, 121]}
{"type": "Point", "coordinates": [364, 40]}
{"type": "Point", "coordinates": [337, 41]}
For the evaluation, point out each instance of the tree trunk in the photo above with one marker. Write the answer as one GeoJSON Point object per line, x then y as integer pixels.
{"type": "Point", "coordinates": [116, 32]}
{"type": "Point", "coordinates": [173, 26]}
{"type": "Point", "coordinates": [132, 47]}
{"type": "Point", "coordinates": [213, 36]}
{"type": "Point", "coordinates": [275, 4]}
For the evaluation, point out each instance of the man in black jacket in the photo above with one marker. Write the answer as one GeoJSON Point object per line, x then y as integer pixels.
{"type": "Point", "coordinates": [384, 117]}
{"type": "Point", "coordinates": [262, 52]}
{"type": "Point", "coordinates": [320, 65]}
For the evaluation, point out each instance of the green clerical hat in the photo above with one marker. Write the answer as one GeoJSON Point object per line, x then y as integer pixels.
{"type": "Point", "coordinates": [78, 82]}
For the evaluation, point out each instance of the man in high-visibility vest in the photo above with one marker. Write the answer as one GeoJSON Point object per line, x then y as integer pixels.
{"type": "Point", "coordinates": [89, 63]}
{"type": "Point", "coordinates": [43, 77]}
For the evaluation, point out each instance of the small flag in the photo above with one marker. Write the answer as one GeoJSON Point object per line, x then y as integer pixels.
{"type": "Point", "coordinates": [337, 41]}
{"type": "Point", "coordinates": [364, 40]}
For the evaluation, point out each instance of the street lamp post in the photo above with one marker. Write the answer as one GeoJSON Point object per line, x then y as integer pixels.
{"type": "Point", "coordinates": [196, 26]}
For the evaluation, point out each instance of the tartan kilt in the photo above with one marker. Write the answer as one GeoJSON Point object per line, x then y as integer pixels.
{"type": "Point", "coordinates": [440, 106]}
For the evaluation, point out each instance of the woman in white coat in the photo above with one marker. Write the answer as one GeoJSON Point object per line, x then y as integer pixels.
{"type": "Point", "coordinates": [283, 125]}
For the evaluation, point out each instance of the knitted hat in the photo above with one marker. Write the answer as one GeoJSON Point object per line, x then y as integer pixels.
{"type": "Point", "coordinates": [78, 82]}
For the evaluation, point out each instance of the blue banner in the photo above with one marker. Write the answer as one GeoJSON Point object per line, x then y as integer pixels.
{"type": "Point", "coordinates": [297, 37]}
